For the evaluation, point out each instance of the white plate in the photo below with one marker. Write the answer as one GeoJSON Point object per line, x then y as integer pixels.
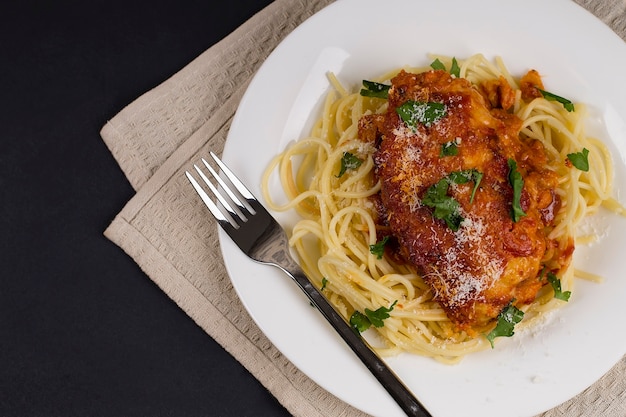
{"type": "Point", "coordinates": [578, 56]}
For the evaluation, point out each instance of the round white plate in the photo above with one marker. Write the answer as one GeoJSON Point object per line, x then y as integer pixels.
{"type": "Point", "coordinates": [578, 56]}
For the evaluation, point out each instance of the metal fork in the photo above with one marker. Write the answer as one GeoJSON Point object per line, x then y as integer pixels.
{"type": "Point", "coordinates": [260, 237]}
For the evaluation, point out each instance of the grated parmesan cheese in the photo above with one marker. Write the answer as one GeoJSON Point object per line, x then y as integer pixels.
{"type": "Point", "coordinates": [470, 238]}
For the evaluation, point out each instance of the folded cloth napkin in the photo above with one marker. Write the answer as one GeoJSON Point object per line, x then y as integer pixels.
{"type": "Point", "coordinates": [165, 227]}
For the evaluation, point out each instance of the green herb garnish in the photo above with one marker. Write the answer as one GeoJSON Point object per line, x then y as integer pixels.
{"type": "Point", "coordinates": [449, 149]}
{"type": "Point", "coordinates": [378, 249]}
{"type": "Point", "coordinates": [437, 65]}
{"type": "Point", "coordinates": [425, 113]}
{"type": "Point", "coordinates": [517, 182]}
{"type": "Point", "coordinates": [361, 322]}
{"type": "Point", "coordinates": [324, 284]}
{"type": "Point", "coordinates": [455, 69]}
{"type": "Point", "coordinates": [461, 177]}
{"type": "Point", "coordinates": [507, 319]}
{"type": "Point", "coordinates": [348, 161]}
{"type": "Point", "coordinates": [556, 286]}
{"type": "Point", "coordinates": [374, 89]}
{"type": "Point", "coordinates": [580, 159]}
{"type": "Point", "coordinates": [446, 207]}
{"type": "Point", "coordinates": [567, 104]}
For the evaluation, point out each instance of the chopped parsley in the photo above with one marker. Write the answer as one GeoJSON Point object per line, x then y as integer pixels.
{"type": "Point", "coordinates": [379, 248]}
{"type": "Point", "coordinates": [437, 65]}
{"type": "Point", "coordinates": [517, 182]}
{"type": "Point", "coordinates": [348, 161]}
{"type": "Point", "coordinates": [567, 104]}
{"type": "Point", "coordinates": [361, 322]}
{"type": "Point", "coordinates": [556, 286]}
{"type": "Point", "coordinates": [580, 159]}
{"type": "Point", "coordinates": [461, 177]}
{"type": "Point", "coordinates": [449, 149]}
{"type": "Point", "coordinates": [454, 67]}
{"type": "Point", "coordinates": [425, 113]}
{"type": "Point", "coordinates": [507, 319]}
{"type": "Point", "coordinates": [446, 207]}
{"type": "Point", "coordinates": [324, 284]}
{"type": "Point", "coordinates": [374, 89]}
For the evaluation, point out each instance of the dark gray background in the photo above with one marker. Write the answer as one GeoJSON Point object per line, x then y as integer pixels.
{"type": "Point", "coordinates": [83, 332]}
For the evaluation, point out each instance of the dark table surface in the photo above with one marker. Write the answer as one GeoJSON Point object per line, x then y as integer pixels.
{"type": "Point", "coordinates": [83, 331]}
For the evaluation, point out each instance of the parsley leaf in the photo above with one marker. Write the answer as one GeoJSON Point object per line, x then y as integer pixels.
{"type": "Point", "coordinates": [377, 316]}
{"type": "Point", "coordinates": [455, 69]}
{"type": "Point", "coordinates": [374, 89]}
{"type": "Point", "coordinates": [580, 159]}
{"type": "Point", "coordinates": [324, 284]}
{"type": "Point", "coordinates": [446, 207]}
{"type": "Point", "coordinates": [517, 182]}
{"type": "Point", "coordinates": [348, 161]}
{"type": "Point", "coordinates": [361, 322]}
{"type": "Point", "coordinates": [507, 319]}
{"type": "Point", "coordinates": [449, 149]}
{"type": "Point", "coordinates": [556, 286]}
{"type": "Point", "coordinates": [567, 104]}
{"type": "Point", "coordinates": [379, 248]}
{"type": "Point", "coordinates": [425, 113]}
{"type": "Point", "coordinates": [461, 177]}
{"type": "Point", "coordinates": [437, 65]}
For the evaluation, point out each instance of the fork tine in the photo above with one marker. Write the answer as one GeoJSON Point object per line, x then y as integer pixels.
{"type": "Point", "coordinates": [242, 207]}
{"type": "Point", "coordinates": [233, 178]}
{"type": "Point", "coordinates": [219, 196]}
{"type": "Point", "coordinates": [217, 213]}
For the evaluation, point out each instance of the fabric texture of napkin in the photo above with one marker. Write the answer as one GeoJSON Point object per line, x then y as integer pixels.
{"type": "Point", "coordinates": [165, 227]}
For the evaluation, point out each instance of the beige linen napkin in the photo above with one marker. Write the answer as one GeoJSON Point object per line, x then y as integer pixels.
{"type": "Point", "coordinates": [167, 231]}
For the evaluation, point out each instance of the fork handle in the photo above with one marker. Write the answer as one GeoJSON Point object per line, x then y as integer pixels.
{"type": "Point", "coordinates": [387, 378]}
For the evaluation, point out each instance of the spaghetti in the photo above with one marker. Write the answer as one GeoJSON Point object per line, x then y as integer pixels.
{"type": "Point", "coordinates": [329, 179]}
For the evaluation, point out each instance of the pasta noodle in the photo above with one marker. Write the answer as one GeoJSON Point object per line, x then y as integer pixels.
{"type": "Point", "coordinates": [337, 229]}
